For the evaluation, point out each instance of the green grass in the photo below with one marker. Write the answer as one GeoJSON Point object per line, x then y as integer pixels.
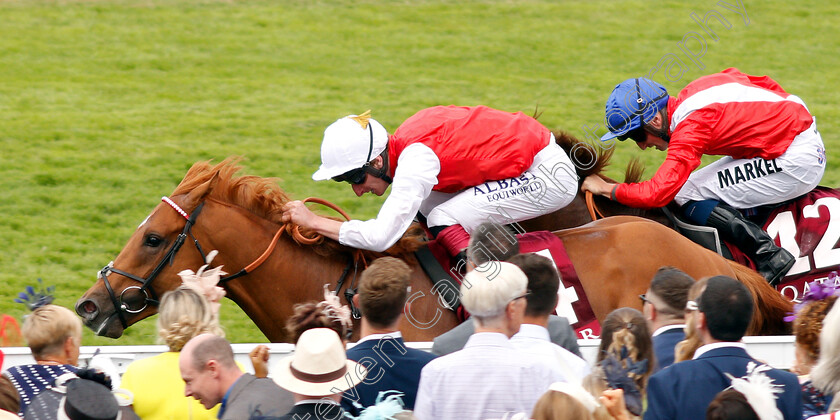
{"type": "Point", "coordinates": [105, 104]}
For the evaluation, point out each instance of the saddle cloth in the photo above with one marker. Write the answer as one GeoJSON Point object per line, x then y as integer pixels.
{"type": "Point", "coordinates": [804, 227]}
{"type": "Point", "coordinates": [573, 303]}
{"type": "Point", "coordinates": [809, 228]}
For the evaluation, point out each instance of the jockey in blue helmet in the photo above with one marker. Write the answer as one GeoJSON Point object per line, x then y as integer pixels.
{"type": "Point", "coordinates": [771, 147]}
{"type": "Point", "coordinates": [632, 107]}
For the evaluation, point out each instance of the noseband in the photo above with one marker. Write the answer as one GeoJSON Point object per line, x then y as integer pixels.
{"type": "Point", "coordinates": [120, 306]}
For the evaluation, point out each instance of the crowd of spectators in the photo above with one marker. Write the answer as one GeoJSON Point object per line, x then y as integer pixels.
{"type": "Point", "coordinates": [155, 381]}
{"type": "Point", "coordinates": [681, 357]}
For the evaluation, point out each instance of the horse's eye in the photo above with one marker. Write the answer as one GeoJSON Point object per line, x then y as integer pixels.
{"type": "Point", "coordinates": [153, 241]}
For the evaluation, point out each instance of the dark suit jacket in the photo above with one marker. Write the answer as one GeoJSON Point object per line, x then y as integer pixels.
{"type": "Point", "coordinates": [559, 331]}
{"type": "Point", "coordinates": [315, 412]}
{"type": "Point", "coordinates": [391, 366]}
{"type": "Point", "coordinates": [684, 390]}
{"type": "Point", "coordinates": [663, 347]}
{"type": "Point", "coordinates": [252, 396]}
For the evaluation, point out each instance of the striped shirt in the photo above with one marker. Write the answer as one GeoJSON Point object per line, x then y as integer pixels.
{"type": "Point", "coordinates": [30, 380]}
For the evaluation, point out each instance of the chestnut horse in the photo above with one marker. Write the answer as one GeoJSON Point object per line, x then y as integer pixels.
{"type": "Point", "coordinates": [212, 209]}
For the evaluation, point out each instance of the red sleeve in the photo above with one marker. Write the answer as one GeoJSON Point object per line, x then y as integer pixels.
{"type": "Point", "coordinates": [659, 190]}
{"type": "Point", "coordinates": [684, 153]}
{"type": "Point", "coordinates": [761, 81]}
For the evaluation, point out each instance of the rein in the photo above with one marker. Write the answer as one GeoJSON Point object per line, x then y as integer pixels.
{"type": "Point", "coordinates": [352, 263]}
{"type": "Point", "coordinates": [594, 212]}
{"type": "Point", "coordinates": [145, 288]}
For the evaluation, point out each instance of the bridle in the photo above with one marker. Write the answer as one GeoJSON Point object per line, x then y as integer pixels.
{"type": "Point", "coordinates": [120, 306]}
{"type": "Point", "coordinates": [149, 295]}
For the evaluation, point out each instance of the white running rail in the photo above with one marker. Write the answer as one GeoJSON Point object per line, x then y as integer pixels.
{"type": "Point", "coordinates": [777, 351]}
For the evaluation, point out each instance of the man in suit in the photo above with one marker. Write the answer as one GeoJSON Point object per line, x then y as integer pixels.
{"type": "Point", "coordinates": [489, 377]}
{"type": "Point", "coordinates": [684, 390]}
{"type": "Point", "coordinates": [560, 332]}
{"type": "Point", "coordinates": [533, 337]}
{"type": "Point", "coordinates": [664, 307]}
{"type": "Point", "coordinates": [211, 376]}
{"type": "Point", "coordinates": [493, 242]}
{"type": "Point", "coordinates": [317, 374]}
{"type": "Point", "coordinates": [383, 290]}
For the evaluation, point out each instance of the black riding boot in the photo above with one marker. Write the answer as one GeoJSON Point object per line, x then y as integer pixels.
{"type": "Point", "coordinates": [771, 261]}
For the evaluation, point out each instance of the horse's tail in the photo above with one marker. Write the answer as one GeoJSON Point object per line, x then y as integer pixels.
{"type": "Point", "coordinates": [770, 307]}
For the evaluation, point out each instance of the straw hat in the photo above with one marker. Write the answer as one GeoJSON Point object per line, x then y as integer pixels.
{"type": "Point", "coordinates": [319, 366]}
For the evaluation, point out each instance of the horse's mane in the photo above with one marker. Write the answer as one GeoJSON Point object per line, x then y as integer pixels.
{"type": "Point", "coordinates": [591, 159]}
{"type": "Point", "coordinates": [261, 196]}
{"type": "Point", "coordinates": [264, 198]}
{"type": "Point", "coordinates": [635, 170]}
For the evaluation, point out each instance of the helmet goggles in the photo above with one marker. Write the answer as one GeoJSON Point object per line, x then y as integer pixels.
{"type": "Point", "coordinates": [637, 134]}
{"type": "Point", "coordinates": [353, 176]}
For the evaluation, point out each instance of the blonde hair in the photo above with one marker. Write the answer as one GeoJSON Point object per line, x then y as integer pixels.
{"type": "Point", "coordinates": [48, 327]}
{"type": "Point", "coordinates": [183, 314]}
{"type": "Point", "coordinates": [555, 405]}
{"type": "Point", "coordinates": [596, 384]}
{"type": "Point", "coordinates": [684, 350]}
{"type": "Point", "coordinates": [809, 323]}
{"type": "Point", "coordinates": [626, 328]}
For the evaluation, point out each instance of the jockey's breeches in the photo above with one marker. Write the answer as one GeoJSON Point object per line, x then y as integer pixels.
{"type": "Point", "coordinates": [747, 183]}
{"type": "Point", "coordinates": [549, 184]}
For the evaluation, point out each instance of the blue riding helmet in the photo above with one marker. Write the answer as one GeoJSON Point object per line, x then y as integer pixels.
{"type": "Point", "coordinates": [633, 103]}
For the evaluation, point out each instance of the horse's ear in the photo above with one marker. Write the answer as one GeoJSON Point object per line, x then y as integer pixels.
{"type": "Point", "coordinates": [198, 193]}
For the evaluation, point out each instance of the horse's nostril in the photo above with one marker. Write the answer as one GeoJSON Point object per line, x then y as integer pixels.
{"type": "Point", "coordinates": [89, 307]}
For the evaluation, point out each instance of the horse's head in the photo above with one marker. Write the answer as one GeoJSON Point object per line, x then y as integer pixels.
{"type": "Point", "coordinates": [128, 289]}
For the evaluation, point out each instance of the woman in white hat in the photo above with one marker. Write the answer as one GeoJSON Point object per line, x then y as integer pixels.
{"type": "Point", "coordinates": [317, 374]}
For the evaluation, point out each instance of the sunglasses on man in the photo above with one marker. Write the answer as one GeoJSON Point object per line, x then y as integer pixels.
{"type": "Point", "coordinates": [353, 176]}
{"type": "Point", "coordinates": [638, 135]}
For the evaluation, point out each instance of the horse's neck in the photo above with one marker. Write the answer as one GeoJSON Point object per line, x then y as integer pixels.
{"type": "Point", "coordinates": [291, 274]}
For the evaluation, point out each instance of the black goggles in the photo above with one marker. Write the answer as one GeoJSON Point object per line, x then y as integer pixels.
{"type": "Point", "coordinates": [638, 135]}
{"type": "Point", "coordinates": [353, 176]}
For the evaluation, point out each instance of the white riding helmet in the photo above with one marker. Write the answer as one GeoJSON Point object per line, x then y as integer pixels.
{"type": "Point", "coordinates": [350, 143]}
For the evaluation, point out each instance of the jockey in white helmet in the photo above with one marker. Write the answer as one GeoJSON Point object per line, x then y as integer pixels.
{"type": "Point", "coordinates": [455, 167]}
